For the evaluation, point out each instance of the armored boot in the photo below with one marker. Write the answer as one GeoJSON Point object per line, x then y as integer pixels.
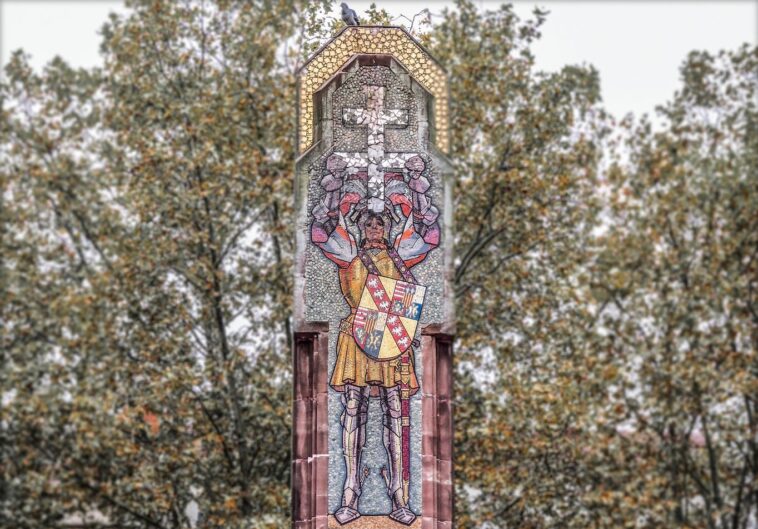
{"type": "Point", "coordinates": [353, 419]}
{"type": "Point", "coordinates": [397, 478]}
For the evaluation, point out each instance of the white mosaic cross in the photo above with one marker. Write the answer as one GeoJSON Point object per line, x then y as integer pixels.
{"type": "Point", "coordinates": [375, 117]}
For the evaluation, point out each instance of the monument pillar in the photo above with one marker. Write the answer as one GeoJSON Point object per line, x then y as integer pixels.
{"type": "Point", "coordinates": [374, 317]}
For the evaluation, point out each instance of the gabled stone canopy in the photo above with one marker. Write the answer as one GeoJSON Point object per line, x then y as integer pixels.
{"type": "Point", "coordinates": [372, 40]}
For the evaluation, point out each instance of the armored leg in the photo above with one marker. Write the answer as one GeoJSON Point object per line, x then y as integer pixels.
{"type": "Point", "coordinates": [354, 415]}
{"type": "Point", "coordinates": [397, 489]}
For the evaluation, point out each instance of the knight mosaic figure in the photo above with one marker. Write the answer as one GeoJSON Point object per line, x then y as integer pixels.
{"type": "Point", "coordinates": [375, 344]}
{"type": "Point", "coordinates": [373, 269]}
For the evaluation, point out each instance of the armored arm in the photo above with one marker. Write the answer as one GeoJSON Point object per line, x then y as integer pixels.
{"type": "Point", "coordinates": [333, 238]}
{"type": "Point", "coordinates": [328, 229]}
{"type": "Point", "coordinates": [421, 232]}
{"type": "Point", "coordinates": [411, 245]}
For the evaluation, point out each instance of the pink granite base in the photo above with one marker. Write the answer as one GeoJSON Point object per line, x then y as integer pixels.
{"type": "Point", "coordinates": [310, 435]}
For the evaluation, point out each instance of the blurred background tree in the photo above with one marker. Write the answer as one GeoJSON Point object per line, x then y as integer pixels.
{"type": "Point", "coordinates": [676, 278]}
{"type": "Point", "coordinates": [605, 280]}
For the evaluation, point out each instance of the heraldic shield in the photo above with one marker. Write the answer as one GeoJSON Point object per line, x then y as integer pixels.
{"type": "Point", "coordinates": [387, 316]}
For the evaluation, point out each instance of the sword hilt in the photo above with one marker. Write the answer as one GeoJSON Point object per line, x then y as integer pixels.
{"type": "Point", "coordinates": [383, 472]}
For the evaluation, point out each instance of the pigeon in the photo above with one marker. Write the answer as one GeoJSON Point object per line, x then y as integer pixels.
{"type": "Point", "coordinates": [349, 16]}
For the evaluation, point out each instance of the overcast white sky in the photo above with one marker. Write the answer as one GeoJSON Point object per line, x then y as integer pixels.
{"type": "Point", "coordinates": [636, 45]}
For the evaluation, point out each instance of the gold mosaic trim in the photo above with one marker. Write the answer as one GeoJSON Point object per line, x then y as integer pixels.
{"type": "Point", "coordinates": [377, 40]}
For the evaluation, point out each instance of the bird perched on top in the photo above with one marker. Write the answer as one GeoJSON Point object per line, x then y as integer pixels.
{"type": "Point", "coordinates": [349, 16]}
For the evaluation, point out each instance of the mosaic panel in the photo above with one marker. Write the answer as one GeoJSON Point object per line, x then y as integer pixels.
{"type": "Point", "coordinates": [373, 270]}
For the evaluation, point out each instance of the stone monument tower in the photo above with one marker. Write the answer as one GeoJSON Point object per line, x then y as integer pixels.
{"type": "Point", "coordinates": [374, 317]}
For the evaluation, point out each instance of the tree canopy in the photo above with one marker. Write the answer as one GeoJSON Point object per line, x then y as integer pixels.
{"type": "Point", "coordinates": [606, 279]}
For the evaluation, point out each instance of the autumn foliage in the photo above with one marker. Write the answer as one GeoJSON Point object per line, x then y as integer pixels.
{"type": "Point", "coordinates": [606, 280]}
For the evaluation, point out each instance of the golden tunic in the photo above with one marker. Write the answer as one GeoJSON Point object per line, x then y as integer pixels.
{"type": "Point", "coordinates": [353, 366]}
